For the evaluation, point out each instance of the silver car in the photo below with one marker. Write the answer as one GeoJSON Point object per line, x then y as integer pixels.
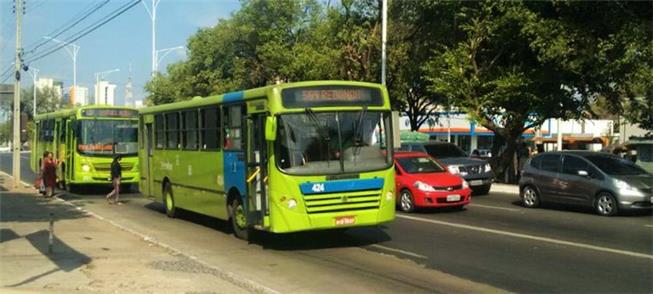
{"type": "Point", "coordinates": [603, 181]}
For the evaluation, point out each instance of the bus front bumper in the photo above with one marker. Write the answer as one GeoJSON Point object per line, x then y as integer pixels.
{"type": "Point", "coordinates": [297, 221]}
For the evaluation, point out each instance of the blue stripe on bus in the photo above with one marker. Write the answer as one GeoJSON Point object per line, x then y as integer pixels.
{"type": "Point", "coordinates": [233, 96]}
{"type": "Point", "coordinates": [341, 186]}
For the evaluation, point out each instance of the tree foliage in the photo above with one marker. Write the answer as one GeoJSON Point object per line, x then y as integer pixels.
{"type": "Point", "coordinates": [509, 64]}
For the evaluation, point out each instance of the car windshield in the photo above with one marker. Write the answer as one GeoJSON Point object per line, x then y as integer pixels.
{"type": "Point", "coordinates": [419, 165]}
{"type": "Point", "coordinates": [333, 142]}
{"type": "Point", "coordinates": [615, 165]}
{"type": "Point", "coordinates": [444, 150]}
{"type": "Point", "coordinates": [108, 137]}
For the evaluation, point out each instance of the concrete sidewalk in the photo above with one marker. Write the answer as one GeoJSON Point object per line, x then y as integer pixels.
{"type": "Point", "coordinates": [88, 254]}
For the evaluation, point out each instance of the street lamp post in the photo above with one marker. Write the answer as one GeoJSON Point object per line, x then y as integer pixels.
{"type": "Point", "coordinates": [152, 13]}
{"type": "Point", "coordinates": [165, 52]}
{"type": "Point", "coordinates": [34, 72]}
{"type": "Point", "coordinates": [73, 55]}
{"type": "Point", "coordinates": [97, 82]}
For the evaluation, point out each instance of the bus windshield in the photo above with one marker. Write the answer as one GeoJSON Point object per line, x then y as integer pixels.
{"type": "Point", "coordinates": [108, 137]}
{"type": "Point", "coordinates": [312, 143]}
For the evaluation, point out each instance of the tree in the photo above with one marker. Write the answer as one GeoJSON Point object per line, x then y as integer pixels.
{"type": "Point", "coordinates": [494, 74]}
{"type": "Point", "coordinates": [47, 100]}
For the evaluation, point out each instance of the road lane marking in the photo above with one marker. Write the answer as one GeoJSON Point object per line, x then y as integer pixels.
{"type": "Point", "coordinates": [493, 207]}
{"type": "Point", "coordinates": [399, 251]}
{"type": "Point", "coordinates": [530, 237]}
{"type": "Point", "coordinates": [650, 226]}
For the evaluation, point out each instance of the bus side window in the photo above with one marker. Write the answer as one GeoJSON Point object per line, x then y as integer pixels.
{"type": "Point", "coordinates": [210, 128]}
{"type": "Point", "coordinates": [172, 130]}
{"type": "Point", "coordinates": [189, 133]}
{"type": "Point", "coordinates": [233, 117]}
{"type": "Point", "coordinates": [160, 131]}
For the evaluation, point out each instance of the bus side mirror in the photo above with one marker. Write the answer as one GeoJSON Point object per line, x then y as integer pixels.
{"type": "Point", "coordinates": [396, 138]}
{"type": "Point", "coordinates": [271, 128]}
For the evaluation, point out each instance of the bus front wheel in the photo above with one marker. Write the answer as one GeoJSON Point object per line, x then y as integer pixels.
{"type": "Point", "coordinates": [239, 219]}
{"type": "Point", "coordinates": [169, 201]}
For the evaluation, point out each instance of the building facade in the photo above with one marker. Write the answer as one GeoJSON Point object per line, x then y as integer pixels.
{"type": "Point", "coordinates": [105, 93]}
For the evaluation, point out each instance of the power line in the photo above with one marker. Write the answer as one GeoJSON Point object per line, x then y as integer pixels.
{"type": "Point", "coordinates": [87, 30]}
{"type": "Point", "coordinates": [69, 24]}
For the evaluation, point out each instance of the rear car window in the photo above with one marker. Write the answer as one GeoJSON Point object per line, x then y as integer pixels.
{"type": "Point", "coordinates": [550, 162]}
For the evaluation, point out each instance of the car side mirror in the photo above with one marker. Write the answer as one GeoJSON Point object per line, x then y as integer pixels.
{"type": "Point", "coordinates": [583, 173]}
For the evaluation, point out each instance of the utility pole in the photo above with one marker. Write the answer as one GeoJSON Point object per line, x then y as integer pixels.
{"type": "Point", "coordinates": [152, 14]}
{"type": "Point", "coordinates": [384, 35]}
{"type": "Point", "coordinates": [16, 144]}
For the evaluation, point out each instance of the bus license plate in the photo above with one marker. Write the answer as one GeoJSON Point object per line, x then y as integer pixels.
{"type": "Point", "coordinates": [476, 182]}
{"type": "Point", "coordinates": [345, 220]}
{"type": "Point", "coordinates": [452, 198]}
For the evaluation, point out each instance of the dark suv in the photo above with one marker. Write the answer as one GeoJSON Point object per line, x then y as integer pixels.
{"type": "Point", "coordinates": [603, 181]}
{"type": "Point", "coordinates": [477, 172]}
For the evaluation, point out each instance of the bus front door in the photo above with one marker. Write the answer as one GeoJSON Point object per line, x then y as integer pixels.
{"type": "Point", "coordinates": [147, 171]}
{"type": "Point", "coordinates": [257, 173]}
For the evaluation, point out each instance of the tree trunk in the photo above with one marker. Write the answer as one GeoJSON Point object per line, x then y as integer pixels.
{"type": "Point", "coordinates": [506, 164]}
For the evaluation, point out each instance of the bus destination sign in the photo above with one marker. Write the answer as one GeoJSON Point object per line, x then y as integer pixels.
{"type": "Point", "coordinates": [126, 113]}
{"type": "Point", "coordinates": [324, 96]}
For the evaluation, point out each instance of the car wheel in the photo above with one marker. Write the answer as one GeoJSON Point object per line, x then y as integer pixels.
{"type": "Point", "coordinates": [406, 203]}
{"type": "Point", "coordinates": [530, 198]}
{"type": "Point", "coordinates": [606, 204]}
{"type": "Point", "coordinates": [169, 201]}
{"type": "Point", "coordinates": [239, 219]}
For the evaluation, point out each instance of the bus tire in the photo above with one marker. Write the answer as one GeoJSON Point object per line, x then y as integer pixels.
{"type": "Point", "coordinates": [169, 201]}
{"type": "Point", "coordinates": [239, 219]}
{"type": "Point", "coordinates": [70, 188]}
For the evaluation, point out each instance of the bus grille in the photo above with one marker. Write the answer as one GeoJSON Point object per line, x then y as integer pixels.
{"type": "Point", "coordinates": [336, 202]}
{"type": "Point", "coordinates": [105, 167]}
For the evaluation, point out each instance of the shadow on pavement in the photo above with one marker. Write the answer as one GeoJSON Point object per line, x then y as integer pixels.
{"type": "Point", "coordinates": [22, 207]}
{"type": "Point", "coordinates": [323, 239]}
{"type": "Point", "coordinates": [63, 256]}
{"type": "Point", "coordinates": [7, 235]}
{"type": "Point", "coordinates": [584, 209]}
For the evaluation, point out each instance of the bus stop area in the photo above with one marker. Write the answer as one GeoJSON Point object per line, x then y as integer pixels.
{"type": "Point", "coordinates": [87, 253]}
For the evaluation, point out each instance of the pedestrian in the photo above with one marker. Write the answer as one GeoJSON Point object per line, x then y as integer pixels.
{"type": "Point", "coordinates": [116, 174]}
{"type": "Point", "coordinates": [49, 173]}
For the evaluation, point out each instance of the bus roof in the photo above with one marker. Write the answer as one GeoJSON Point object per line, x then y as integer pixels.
{"type": "Point", "coordinates": [250, 94]}
{"type": "Point", "coordinates": [76, 110]}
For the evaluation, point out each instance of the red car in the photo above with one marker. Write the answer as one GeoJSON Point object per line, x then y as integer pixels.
{"type": "Point", "coordinates": [424, 182]}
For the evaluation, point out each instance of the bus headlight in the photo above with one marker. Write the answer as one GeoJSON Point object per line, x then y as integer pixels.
{"type": "Point", "coordinates": [389, 196]}
{"type": "Point", "coordinates": [292, 203]}
{"type": "Point", "coordinates": [86, 168]}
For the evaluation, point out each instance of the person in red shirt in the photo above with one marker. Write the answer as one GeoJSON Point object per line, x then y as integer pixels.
{"type": "Point", "coordinates": [49, 173]}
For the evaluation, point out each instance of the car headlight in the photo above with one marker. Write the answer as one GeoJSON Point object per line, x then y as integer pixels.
{"type": "Point", "coordinates": [423, 186]}
{"type": "Point", "coordinates": [488, 168]}
{"type": "Point", "coordinates": [86, 168]}
{"type": "Point", "coordinates": [465, 184]}
{"type": "Point", "coordinates": [626, 189]}
{"type": "Point", "coordinates": [454, 169]}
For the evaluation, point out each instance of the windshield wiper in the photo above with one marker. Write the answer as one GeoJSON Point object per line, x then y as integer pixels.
{"type": "Point", "coordinates": [358, 136]}
{"type": "Point", "coordinates": [322, 131]}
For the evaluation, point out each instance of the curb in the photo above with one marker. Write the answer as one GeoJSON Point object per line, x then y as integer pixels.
{"type": "Point", "coordinates": [503, 188]}
{"type": "Point", "coordinates": [228, 276]}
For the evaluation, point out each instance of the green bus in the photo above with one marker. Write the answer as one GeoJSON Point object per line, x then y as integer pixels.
{"type": "Point", "coordinates": [85, 140]}
{"type": "Point", "coordinates": [282, 158]}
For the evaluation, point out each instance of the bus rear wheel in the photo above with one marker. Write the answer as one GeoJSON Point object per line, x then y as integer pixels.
{"type": "Point", "coordinates": [239, 219]}
{"type": "Point", "coordinates": [169, 201]}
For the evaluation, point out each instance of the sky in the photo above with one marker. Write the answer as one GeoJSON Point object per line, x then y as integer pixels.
{"type": "Point", "coordinates": [125, 40]}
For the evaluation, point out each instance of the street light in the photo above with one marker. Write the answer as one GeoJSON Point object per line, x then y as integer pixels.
{"type": "Point", "coordinates": [165, 52]}
{"type": "Point", "coordinates": [73, 55]}
{"type": "Point", "coordinates": [97, 82]}
{"type": "Point", "coordinates": [34, 72]}
{"type": "Point", "coordinates": [152, 14]}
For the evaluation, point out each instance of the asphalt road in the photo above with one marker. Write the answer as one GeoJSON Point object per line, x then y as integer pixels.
{"type": "Point", "coordinates": [493, 242]}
